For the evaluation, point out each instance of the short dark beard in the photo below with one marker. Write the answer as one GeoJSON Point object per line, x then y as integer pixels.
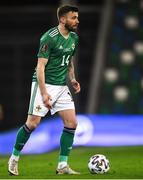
{"type": "Point", "coordinates": [69, 28]}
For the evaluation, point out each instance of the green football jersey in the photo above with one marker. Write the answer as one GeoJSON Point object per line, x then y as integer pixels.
{"type": "Point", "coordinates": [58, 50]}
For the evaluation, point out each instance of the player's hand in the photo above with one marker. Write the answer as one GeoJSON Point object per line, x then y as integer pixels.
{"type": "Point", "coordinates": [47, 100]}
{"type": "Point", "coordinates": [75, 85]}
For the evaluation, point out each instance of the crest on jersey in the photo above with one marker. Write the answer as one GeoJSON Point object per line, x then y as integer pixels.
{"type": "Point", "coordinates": [44, 47]}
{"type": "Point", "coordinates": [73, 46]}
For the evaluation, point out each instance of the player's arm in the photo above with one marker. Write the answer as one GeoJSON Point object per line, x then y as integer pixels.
{"type": "Point", "coordinates": [72, 78]}
{"type": "Point", "coordinates": [41, 81]}
{"type": "Point", "coordinates": [43, 55]}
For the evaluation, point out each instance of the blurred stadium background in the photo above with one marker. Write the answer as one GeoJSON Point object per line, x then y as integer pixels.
{"type": "Point", "coordinates": [109, 61]}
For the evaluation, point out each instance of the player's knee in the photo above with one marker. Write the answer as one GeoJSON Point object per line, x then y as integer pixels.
{"type": "Point", "coordinates": [32, 123]}
{"type": "Point", "coordinates": [72, 124]}
{"type": "Point", "coordinates": [75, 125]}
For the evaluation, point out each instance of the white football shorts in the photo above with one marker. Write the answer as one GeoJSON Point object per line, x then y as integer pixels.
{"type": "Point", "coordinates": [61, 100]}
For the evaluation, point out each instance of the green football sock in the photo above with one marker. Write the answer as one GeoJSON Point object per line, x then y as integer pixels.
{"type": "Point", "coordinates": [21, 139]}
{"type": "Point", "coordinates": [66, 143]}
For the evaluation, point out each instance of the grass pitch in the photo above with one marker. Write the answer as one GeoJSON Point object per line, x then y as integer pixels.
{"type": "Point", "coordinates": [125, 162]}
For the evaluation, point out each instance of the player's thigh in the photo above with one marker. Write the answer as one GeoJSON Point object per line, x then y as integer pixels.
{"type": "Point", "coordinates": [36, 105]}
{"type": "Point", "coordinates": [64, 100]}
{"type": "Point", "coordinates": [69, 118]}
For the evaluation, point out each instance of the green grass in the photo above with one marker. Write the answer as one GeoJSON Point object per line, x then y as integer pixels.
{"type": "Point", "coordinates": [126, 163]}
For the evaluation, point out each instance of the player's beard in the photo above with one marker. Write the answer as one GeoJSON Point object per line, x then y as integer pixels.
{"type": "Point", "coordinates": [70, 28]}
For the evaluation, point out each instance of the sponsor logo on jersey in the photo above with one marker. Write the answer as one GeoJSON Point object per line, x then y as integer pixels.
{"type": "Point", "coordinates": [61, 47]}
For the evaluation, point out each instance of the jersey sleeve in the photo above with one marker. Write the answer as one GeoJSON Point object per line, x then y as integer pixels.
{"type": "Point", "coordinates": [76, 44]}
{"type": "Point", "coordinates": [45, 46]}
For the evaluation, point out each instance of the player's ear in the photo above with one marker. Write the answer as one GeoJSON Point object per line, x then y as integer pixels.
{"type": "Point", "coordinates": [63, 19]}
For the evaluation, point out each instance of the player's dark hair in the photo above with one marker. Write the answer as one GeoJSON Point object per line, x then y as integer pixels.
{"type": "Point", "coordinates": [64, 9]}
